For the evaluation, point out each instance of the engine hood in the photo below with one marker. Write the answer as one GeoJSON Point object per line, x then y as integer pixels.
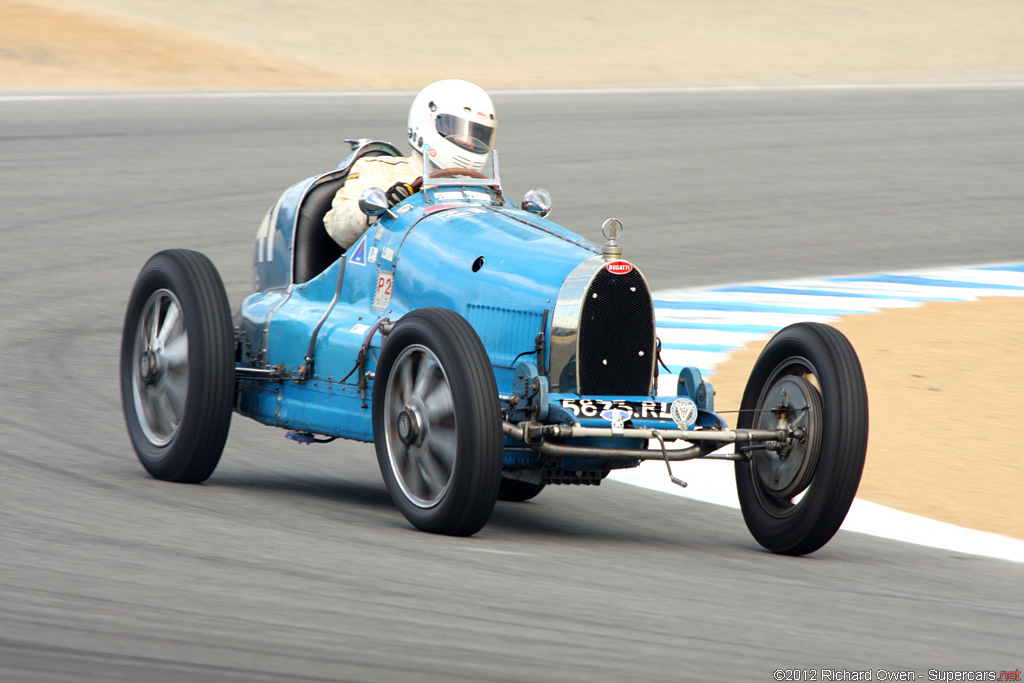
{"type": "Point", "coordinates": [450, 254]}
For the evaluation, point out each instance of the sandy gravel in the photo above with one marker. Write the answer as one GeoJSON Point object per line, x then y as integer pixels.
{"type": "Point", "coordinates": [943, 379]}
{"type": "Point", "coordinates": [514, 43]}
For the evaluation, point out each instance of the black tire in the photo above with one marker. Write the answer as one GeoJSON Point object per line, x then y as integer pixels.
{"type": "Point", "coordinates": [437, 423]}
{"type": "Point", "coordinates": [516, 491]}
{"type": "Point", "coordinates": [177, 366]}
{"type": "Point", "coordinates": [794, 505]}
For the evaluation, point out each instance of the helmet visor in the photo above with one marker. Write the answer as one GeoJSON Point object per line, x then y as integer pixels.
{"type": "Point", "coordinates": [469, 135]}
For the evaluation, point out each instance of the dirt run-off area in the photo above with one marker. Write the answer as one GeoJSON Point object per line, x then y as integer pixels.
{"type": "Point", "coordinates": [944, 379]}
{"type": "Point", "coordinates": [348, 44]}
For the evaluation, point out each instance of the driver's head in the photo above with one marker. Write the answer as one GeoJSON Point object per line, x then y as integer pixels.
{"type": "Point", "coordinates": [452, 123]}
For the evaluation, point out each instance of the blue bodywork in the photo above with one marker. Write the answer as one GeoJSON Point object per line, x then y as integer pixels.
{"type": "Point", "coordinates": [463, 248]}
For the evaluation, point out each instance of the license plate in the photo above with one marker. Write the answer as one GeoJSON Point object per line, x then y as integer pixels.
{"type": "Point", "coordinates": [618, 411]}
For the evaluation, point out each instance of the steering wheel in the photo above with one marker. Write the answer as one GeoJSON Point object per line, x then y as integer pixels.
{"type": "Point", "coordinates": [451, 172]}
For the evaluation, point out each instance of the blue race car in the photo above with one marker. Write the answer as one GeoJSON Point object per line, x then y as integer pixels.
{"type": "Point", "coordinates": [486, 352]}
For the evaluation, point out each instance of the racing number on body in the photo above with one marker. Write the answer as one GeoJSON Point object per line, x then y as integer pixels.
{"type": "Point", "coordinates": [382, 295]}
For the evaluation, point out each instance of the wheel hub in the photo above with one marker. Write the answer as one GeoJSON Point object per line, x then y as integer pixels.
{"type": "Point", "coordinates": [406, 429]}
{"type": "Point", "coordinates": [410, 424]}
{"type": "Point", "coordinates": [785, 468]}
{"type": "Point", "coordinates": [150, 366]}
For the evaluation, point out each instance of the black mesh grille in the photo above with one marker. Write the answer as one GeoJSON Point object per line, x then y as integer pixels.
{"type": "Point", "coordinates": [616, 342]}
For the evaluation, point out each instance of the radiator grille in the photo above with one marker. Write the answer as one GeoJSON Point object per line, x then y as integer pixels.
{"type": "Point", "coordinates": [616, 337]}
{"type": "Point", "coordinates": [505, 332]}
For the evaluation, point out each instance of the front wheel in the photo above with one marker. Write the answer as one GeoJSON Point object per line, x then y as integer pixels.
{"type": "Point", "coordinates": [437, 423]}
{"type": "Point", "coordinates": [177, 366]}
{"type": "Point", "coordinates": [795, 496]}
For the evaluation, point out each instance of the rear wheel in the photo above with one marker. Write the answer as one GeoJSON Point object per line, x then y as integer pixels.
{"type": "Point", "coordinates": [177, 366]}
{"type": "Point", "coordinates": [794, 497]}
{"type": "Point", "coordinates": [437, 423]}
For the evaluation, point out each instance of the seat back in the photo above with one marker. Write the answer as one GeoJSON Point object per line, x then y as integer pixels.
{"type": "Point", "coordinates": [315, 249]}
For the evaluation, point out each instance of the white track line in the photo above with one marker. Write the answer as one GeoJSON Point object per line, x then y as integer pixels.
{"type": "Point", "coordinates": [704, 337]}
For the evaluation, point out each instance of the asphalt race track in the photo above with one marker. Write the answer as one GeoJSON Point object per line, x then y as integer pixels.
{"type": "Point", "coordinates": [291, 563]}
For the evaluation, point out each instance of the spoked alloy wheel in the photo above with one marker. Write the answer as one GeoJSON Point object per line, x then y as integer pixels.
{"type": "Point", "coordinates": [177, 366]}
{"type": "Point", "coordinates": [795, 496]}
{"type": "Point", "coordinates": [419, 426]}
{"type": "Point", "coordinates": [437, 423]}
{"type": "Point", "coordinates": [159, 370]}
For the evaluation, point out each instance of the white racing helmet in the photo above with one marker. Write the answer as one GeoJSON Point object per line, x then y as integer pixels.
{"type": "Point", "coordinates": [452, 124]}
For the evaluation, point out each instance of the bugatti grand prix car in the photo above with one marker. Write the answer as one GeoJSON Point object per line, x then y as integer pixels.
{"type": "Point", "coordinates": [486, 351]}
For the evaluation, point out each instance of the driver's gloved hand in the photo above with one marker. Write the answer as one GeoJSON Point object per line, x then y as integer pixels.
{"type": "Point", "coordinates": [398, 192]}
